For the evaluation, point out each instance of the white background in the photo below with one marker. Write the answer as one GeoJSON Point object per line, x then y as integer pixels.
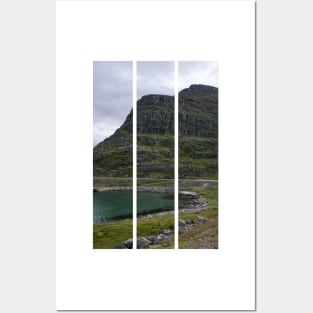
{"type": "Point", "coordinates": [284, 166]}
{"type": "Point", "coordinates": [98, 279]}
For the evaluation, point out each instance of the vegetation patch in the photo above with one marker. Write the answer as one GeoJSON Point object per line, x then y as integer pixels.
{"type": "Point", "coordinates": [204, 235]}
{"type": "Point", "coordinates": [110, 234]}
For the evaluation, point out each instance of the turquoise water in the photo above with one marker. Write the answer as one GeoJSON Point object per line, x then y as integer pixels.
{"type": "Point", "coordinates": [154, 201]}
{"type": "Point", "coordinates": [118, 204]}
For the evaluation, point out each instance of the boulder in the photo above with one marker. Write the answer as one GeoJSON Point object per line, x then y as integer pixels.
{"type": "Point", "coordinates": [155, 240]}
{"type": "Point", "coordinates": [165, 232]}
{"type": "Point", "coordinates": [200, 220]}
{"type": "Point", "coordinates": [182, 223]}
{"type": "Point", "coordinates": [143, 243]}
{"type": "Point", "coordinates": [128, 243]}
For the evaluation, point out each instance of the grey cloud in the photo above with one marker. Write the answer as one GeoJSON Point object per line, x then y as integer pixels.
{"type": "Point", "coordinates": [197, 72]}
{"type": "Point", "coordinates": [155, 77]}
{"type": "Point", "coordinates": [112, 96]}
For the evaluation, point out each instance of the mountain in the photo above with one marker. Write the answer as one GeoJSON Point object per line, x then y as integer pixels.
{"type": "Point", "coordinates": [198, 144]}
{"type": "Point", "coordinates": [198, 132]}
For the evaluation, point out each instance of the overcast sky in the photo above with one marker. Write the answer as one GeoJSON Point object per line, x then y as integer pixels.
{"type": "Point", "coordinates": [112, 97]}
{"type": "Point", "coordinates": [197, 72]}
{"type": "Point", "coordinates": [155, 78]}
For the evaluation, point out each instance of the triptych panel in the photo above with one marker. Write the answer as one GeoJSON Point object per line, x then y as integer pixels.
{"type": "Point", "coordinates": [146, 207]}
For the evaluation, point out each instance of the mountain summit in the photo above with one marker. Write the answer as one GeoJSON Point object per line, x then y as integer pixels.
{"type": "Point", "coordinates": [198, 131]}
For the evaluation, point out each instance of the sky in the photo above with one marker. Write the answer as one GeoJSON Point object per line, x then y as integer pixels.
{"type": "Point", "coordinates": [112, 97]}
{"type": "Point", "coordinates": [197, 72]}
{"type": "Point", "coordinates": [155, 77]}
{"type": "Point", "coordinates": [113, 87]}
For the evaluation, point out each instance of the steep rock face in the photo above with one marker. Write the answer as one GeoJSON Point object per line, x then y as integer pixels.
{"type": "Point", "coordinates": [198, 125]}
{"type": "Point", "coordinates": [155, 115]}
{"type": "Point", "coordinates": [155, 137]}
{"type": "Point", "coordinates": [198, 132]}
{"type": "Point", "coordinates": [198, 111]}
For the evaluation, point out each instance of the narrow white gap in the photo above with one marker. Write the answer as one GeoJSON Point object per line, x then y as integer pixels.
{"type": "Point", "coordinates": [176, 134]}
{"type": "Point", "coordinates": [134, 155]}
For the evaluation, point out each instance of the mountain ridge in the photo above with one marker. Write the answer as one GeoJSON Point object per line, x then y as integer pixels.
{"type": "Point", "coordinates": [198, 131]}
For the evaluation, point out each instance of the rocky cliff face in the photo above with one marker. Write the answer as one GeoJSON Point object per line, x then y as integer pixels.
{"type": "Point", "coordinates": [198, 125]}
{"type": "Point", "coordinates": [198, 111]}
{"type": "Point", "coordinates": [198, 132]}
{"type": "Point", "coordinates": [155, 115]}
{"type": "Point", "coordinates": [155, 137]}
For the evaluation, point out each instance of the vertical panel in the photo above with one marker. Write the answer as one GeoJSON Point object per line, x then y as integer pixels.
{"type": "Point", "coordinates": [155, 155]}
{"type": "Point", "coordinates": [134, 154]}
{"type": "Point", "coordinates": [198, 155]}
{"type": "Point", "coordinates": [112, 155]}
{"type": "Point", "coordinates": [176, 155]}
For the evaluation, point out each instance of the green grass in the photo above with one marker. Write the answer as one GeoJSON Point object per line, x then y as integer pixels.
{"type": "Point", "coordinates": [152, 225]}
{"type": "Point", "coordinates": [108, 235]}
{"type": "Point", "coordinates": [155, 182]}
{"type": "Point", "coordinates": [118, 182]}
{"type": "Point", "coordinates": [208, 213]}
{"type": "Point", "coordinates": [112, 182]}
{"type": "Point", "coordinates": [197, 232]}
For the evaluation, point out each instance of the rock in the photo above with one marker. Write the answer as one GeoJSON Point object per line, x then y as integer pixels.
{"type": "Point", "coordinates": [188, 193]}
{"type": "Point", "coordinates": [183, 230]}
{"type": "Point", "coordinates": [128, 243]}
{"type": "Point", "coordinates": [181, 223]}
{"type": "Point", "coordinates": [200, 220]}
{"type": "Point", "coordinates": [155, 240]}
{"type": "Point", "coordinates": [210, 93]}
{"type": "Point", "coordinates": [143, 243]}
{"type": "Point", "coordinates": [165, 232]}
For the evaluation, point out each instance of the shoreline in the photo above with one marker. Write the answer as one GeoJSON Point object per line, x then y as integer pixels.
{"type": "Point", "coordinates": [140, 189]}
{"type": "Point", "coordinates": [195, 203]}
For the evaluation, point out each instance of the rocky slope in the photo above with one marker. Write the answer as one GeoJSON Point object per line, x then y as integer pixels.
{"type": "Point", "coordinates": [155, 137]}
{"type": "Point", "coordinates": [198, 130]}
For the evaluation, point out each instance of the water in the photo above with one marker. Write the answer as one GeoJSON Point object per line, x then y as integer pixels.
{"type": "Point", "coordinates": [154, 201]}
{"type": "Point", "coordinates": [118, 204]}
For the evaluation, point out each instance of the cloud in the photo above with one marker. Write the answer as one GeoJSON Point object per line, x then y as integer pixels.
{"type": "Point", "coordinates": [155, 77]}
{"type": "Point", "coordinates": [112, 97]}
{"type": "Point", "coordinates": [197, 72]}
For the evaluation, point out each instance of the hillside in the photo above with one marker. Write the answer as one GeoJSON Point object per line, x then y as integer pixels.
{"type": "Point", "coordinates": [198, 145]}
{"type": "Point", "coordinates": [198, 132]}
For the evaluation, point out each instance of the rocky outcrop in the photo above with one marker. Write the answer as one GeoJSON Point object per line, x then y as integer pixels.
{"type": "Point", "coordinates": [148, 242]}
{"type": "Point", "coordinates": [191, 201]}
{"type": "Point", "coordinates": [155, 115]}
{"type": "Point", "coordinates": [208, 93]}
{"type": "Point", "coordinates": [198, 132]}
{"type": "Point", "coordinates": [186, 225]}
{"type": "Point", "coordinates": [143, 243]}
